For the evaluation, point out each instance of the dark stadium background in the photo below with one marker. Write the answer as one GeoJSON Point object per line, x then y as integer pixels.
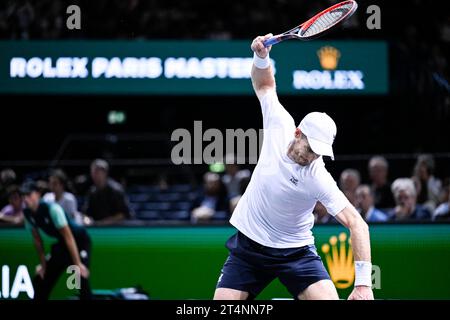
{"type": "Point", "coordinates": [412, 118]}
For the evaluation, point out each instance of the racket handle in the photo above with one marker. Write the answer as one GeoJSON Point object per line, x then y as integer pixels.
{"type": "Point", "coordinates": [271, 41]}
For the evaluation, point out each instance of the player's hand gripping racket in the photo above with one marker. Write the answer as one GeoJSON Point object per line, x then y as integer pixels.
{"type": "Point", "coordinates": [317, 25]}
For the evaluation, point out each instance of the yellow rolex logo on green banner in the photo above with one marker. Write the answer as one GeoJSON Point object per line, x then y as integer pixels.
{"type": "Point", "coordinates": [339, 261]}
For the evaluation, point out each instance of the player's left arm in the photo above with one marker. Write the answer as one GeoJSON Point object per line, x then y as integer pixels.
{"type": "Point", "coordinates": [73, 250]}
{"type": "Point", "coordinates": [60, 221]}
{"type": "Point", "coordinates": [360, 239]}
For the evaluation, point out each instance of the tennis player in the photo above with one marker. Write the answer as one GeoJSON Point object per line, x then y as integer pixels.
{"type": "Point", "coordinates": [274, 216]}
{"type": "Point", "coordinates": [73, 244]}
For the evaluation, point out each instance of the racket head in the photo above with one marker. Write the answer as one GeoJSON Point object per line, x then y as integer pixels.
{"type": "Point", "coordinates": [325, 20]}
{"type": "Point", "coordinates": [318, 25]}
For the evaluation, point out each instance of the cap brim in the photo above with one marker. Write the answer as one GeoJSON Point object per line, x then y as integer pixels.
{"type": "Point", "coordinates": [321, 148]}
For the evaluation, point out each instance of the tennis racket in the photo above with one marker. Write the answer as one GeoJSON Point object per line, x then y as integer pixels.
{"type": "Point", "coordinates": [317, 25]}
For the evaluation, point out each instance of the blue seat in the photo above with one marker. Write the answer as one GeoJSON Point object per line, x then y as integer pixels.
{"type": "Point", "coordinates": [182, 205]}
{"type": "Point", "coordinates": [220, 215]}
{"type": "Point", "coordinates": [138, 197]}
{"type": "Point", "coordinates": [143, 189]}
{"type": "Point", "coordinates": [180, 188]}
{"type": "Point", "coordinates": [168, 197]}
{"type": "Point", "coordinates": [161, 206]}
{"type": "Point", "coordinates": [176, 215]}
{"type": "Point", "coordinates": [135, 206]}
{"type": "Point", "coordinates": [149, 215]}
{"type": "Point", "coordinates": [189, 196]}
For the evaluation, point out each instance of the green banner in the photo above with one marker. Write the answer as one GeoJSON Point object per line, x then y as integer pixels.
{"type": "Point", "coordinates": [410, 261]}
{"type": "Point", "coordinates": [189, 67]}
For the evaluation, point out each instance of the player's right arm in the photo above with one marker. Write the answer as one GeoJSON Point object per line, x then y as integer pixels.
{"type": "Point", "coordinates": [60, 221]}
{"type": "Point", "coordinates": [263, 79]}
{"type": "Point", "coordinates": [39, 245]}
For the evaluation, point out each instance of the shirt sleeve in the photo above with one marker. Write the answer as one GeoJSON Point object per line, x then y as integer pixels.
{"type": "Point", "coordinates": [58, 216]}
{"type": "Point", "coordinates": [329, 195]}
{"type": "Point", "coordinates": [48, 197]}
{"type": "Point", "coordinates": [274, 114]}
{"type": "Point", "coordinates": [71, 204]}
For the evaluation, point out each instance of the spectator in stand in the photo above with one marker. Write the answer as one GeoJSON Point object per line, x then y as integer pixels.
{"type": "Point", "coordinates": [43, 186]}
{"type": "Point", "coordinates": [428, 187]}
{"type": "Point", "coordinates": [233, 176]}
{"type": "Point", "coordinates": [212, 200]}
{"type": "Point", "coordinates": [365, 205]}
{"type": "Point", "coordinates": [243, 183]}
{"type": "Point", "coordinates": [443, 210]}
{"type": "Point", "coordinates": [7, 178]}
{"type": "Point", "coordinates": [58, 185]}
{"type": "Point", "coordinates": [106, 201]}
{"type": "Point", "coordinates": [406, 208]}
{"type": "Point", "coordinates": [348, 183]}
{"type": "Point", "coordinates": [13, 212]}
{"type": "Point", "coordinates": [378, 173]}
{"type": "Point", "coordinates": [321, 215]}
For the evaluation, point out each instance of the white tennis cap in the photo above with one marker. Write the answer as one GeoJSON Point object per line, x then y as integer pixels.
{"type": "Point", "coordinates": [320, 130]}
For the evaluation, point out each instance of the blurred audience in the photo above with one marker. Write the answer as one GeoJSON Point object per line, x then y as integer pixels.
{"type": "Point", "coordinates": [106, 201]}
{"type": "Point", "coordinates": [243, 183]}
{"type": "Point", "coordinates": [13, 212]}
{"type": "Point", "coordinates": [348, 183]}
{"type": "Point", "coordinates": [428, 187]}
{"type": "Point", "coordinates": [321, 215]}
{"type": "Point", "coordinates": [443, 210]}
{"type": "Point", "coordinates": [378, 174]}
{"type": "Point", "coordinates": [43, 186]}
{"type": "Point", "coordinates": [365, 205]}
{"type": "Point", "coordinates": [212, 200]}
{"type": "Point", "coordinates": [58, 184]}
{"type": "Point", "coordinates": [405, 196]}
{"type": "Point", "coordinates": [233, 176]}
{"type": "Point", "coordinates": [7, 178]}
{"type": "Point", "coordinates": [419, 198]}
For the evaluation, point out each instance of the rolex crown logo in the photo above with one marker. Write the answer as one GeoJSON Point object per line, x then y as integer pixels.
{"type": "Point", "coordinates": [339, 260]}
{"type": "Point", "coordinates": [328, 57]}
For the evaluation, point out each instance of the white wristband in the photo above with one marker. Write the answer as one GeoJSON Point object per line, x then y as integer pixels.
{"type": "Point", "coordinates": [261, 63]}
{"type": "Point", "coordinates": [363, 273]}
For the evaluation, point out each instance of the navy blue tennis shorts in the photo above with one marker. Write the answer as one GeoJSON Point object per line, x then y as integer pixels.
{"type": "Point", "coordinates": [250, 267]}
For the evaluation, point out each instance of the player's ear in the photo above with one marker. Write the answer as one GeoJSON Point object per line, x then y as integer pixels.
{"type": "Point", "coordinates": [298, 133]}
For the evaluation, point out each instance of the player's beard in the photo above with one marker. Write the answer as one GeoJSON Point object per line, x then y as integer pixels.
{"type": "Point", "coordinates": [302, 161]}
{"type": "Point", "coordinates": [296, 156]}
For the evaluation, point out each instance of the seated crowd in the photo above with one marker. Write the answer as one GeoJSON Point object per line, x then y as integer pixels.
{"type": "Point", "coordinates": [421, 197]}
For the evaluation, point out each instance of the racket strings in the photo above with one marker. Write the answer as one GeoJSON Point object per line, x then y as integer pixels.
{"type": "Point", "coordinates": [326, 20]}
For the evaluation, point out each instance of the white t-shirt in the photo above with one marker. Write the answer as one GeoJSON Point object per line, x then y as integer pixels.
{"type": "Point", "coordinates": [68, 202]}
{"type": "Point", "coordinates": [276, 209]}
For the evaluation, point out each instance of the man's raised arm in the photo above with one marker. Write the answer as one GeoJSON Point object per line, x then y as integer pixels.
{"type": "Point", "coordinates": [262, 74]}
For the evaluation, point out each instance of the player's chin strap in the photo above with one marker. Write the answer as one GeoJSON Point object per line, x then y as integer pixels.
{"type": "Point", "coordinates": [363, 273]}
